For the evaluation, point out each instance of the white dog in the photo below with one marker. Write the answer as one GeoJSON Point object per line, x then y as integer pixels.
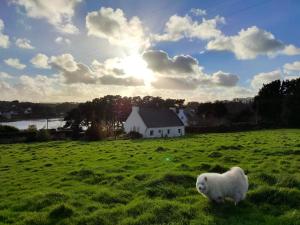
{"type": "Point", "coordinates": [232, 184]}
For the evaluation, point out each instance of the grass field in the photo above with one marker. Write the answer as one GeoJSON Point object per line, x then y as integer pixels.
{"type": "Point", "coordinates": [149, 181]}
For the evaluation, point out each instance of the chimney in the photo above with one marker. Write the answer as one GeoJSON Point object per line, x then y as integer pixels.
{"type": "Point", "coordinates": [173, 109]}
{"type": "Point", "coordinates": [135, 109]}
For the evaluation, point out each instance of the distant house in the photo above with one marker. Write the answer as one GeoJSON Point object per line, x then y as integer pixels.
{"type": "Point", "coordinates": [153, 123]}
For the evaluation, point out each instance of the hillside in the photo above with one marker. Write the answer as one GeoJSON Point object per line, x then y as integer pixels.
{"type": "Point", "coordinates": [149, 181]}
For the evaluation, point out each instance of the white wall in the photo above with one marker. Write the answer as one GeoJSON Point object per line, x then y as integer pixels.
{"type": "Point", "coordinates": [181, 115]}
{"type": "Point", "coordinates": [163, 132]}
{"type": "Point", "coordinates": [134, 122]}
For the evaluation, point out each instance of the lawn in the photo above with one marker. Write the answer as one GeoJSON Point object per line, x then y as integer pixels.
{"type": "Point", "coordinates": [149, 181]}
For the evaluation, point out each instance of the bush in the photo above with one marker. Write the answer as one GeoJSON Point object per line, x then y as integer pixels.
{"type": "Point", "coordinates": [43, 135]}
{"type": "Point", "coordinates": [94, 133]}
{"type": "Point", "coordinates": [8, 129]}
{"type": "Point", "coordinates": [134, 135]}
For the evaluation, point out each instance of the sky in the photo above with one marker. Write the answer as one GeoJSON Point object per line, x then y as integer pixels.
{"type": "Point", "coordinates": [77, 50]}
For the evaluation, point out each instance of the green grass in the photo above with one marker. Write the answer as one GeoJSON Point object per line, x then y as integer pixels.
{"type": "Point", "coordinates": [149, 181]}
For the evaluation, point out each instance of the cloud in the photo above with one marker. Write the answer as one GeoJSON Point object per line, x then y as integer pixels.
{"type": "Point", "coordinates": [82, 74]}
{"type": "Point", "coordinates": [159, 61]}
{"type": "Point", "coordinates": [295, 66]}
{"type": "Point", "coordinates": [24, 43]}
{"type": "Point", "coordinates": [64, 62]}
{"type": "Point", "coordinates": [224, 79]}
{"type": "Point", "coordinates": [58, 13]}
{"type": "Point", "coordinates": [15, 63]}
{"type": "Point", "coordinates": [198, 12]}
{"type": "Point", "coordinates": [250, 43]}
{"type": "Point", "coordinates": [175, 83]}
{"type": "Point", "coordinates": [290, 50]}
{"type": "Point", "coordinates": [264, 78]}
{"type": "Point", "coordinates": [179, 27]}
{"type": "Point", "coordinates": [4, 39]}
{"type": "Point", "coordinates": [183, 72]}
{"type": "Point", "coordinates": [40, 61]}
{"type": "Point", "coordinates": [5, 76]}
{"type": "Point", "coordinates": [62, 40]}
{"type": "Point", "coordinates": [120, 81]}
{"type": "Point", "coordinates": [218, 79]}
{"type": "Point", "coordinates": [113, 26]}
{"type": "Point", "coordinates": [100, 73]}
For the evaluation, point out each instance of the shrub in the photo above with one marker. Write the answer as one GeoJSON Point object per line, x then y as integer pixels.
{"type": "Point", "coordinates": [134, 135]}
{"type": "Point", "coordinates": [43, 135]}
{"type": "Point", "coordinates": [94, 133]}
{"type": "Point", "coordinates": [8, 129]}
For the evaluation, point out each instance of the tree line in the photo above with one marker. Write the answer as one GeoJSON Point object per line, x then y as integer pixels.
{"type": "Point", "coordinates": [276, 104]}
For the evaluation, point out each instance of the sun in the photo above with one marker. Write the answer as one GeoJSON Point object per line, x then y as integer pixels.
{"type": "Point", "coordinates": [135, 66]}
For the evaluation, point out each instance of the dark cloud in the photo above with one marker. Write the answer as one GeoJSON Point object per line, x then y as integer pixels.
{"type": "Point", "coordinates": [175, 83]}
{"type": "Point", "coordinates": [128, 81]}
{"type": "Point", "coordinates": [159, 61]}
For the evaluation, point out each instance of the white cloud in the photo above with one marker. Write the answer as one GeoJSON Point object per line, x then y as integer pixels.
{"type": "Point", "coordinates": [62, 40]}
{"type": "Point", "coordinates": [4, 75]}
{"type": "Point", "coordinates": [113, 26]}
{"type": "Point", "coordinates": [198, 12]}
{"type": "Point", "coordinates": [179, 27]}
{"type": "Point", "coordinates": [64, 62]}
{"type": "Point", "coordinates": [295, 66]}
{"type": "Point", "coordinates": [250, 43]}
{"type": "Point", "coordinates": [15, 63]}
{"type": "Point", "coordinates": [4, 39]}
{"type": "Point", "coordinates": [40, 61]}
{"type": "Point", "coordinates": [58, 13]}
{"type": "Point", "coordinates": [24, 43]}
{"type": "Point", "coordinates": [290, 50]}
{"type": "Point", "coordinates": [105, 73]}
{"type": "Point", "coordinates": [264, 78]}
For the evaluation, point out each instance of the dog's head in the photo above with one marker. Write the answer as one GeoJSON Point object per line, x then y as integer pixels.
{"type": "Point", "coordinates": [202, 184]}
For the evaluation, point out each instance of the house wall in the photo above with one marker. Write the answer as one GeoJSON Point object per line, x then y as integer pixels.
{"type": "Point", "coordinates": [163, 132]}
{"type": "Point", "coordinates": [181, 115]}
{"type": "Point", "coordinates": [135, 123]}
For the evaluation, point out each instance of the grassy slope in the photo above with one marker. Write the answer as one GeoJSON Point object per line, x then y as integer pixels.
{"type": "Point", "coordinates": [136, 182]}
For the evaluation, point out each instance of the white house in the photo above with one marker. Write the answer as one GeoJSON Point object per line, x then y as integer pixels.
{"type": "Point", "coordinates": [153, 123]}
{"type": "Point", "coordinates": [181, 115]}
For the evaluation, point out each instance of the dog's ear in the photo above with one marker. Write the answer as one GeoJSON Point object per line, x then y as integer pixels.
{"type": "Point", "coordinates": [205, 178]}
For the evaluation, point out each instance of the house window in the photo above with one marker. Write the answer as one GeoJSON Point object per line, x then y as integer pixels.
{"type": "Point", "coordinates": [151, 132]}
{"type": "Point", "coordinates": [179, 131]}
{"type": "Point", "coordinates": [168, 131]}
{"type": "Point", "coordinates": [159, 131]}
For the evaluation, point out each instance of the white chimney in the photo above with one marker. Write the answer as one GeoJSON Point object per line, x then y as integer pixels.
{"type": "Point", "coordinates": [135, 109]}
{"type": "Point", "coordinates": [173, 109]}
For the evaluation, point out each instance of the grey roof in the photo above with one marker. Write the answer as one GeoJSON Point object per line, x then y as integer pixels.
{"type": "Point", "coordinates": [159, 118]}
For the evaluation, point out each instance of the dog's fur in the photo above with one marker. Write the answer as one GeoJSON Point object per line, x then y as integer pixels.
{"type": "Point", "coordinates": [231, 184]}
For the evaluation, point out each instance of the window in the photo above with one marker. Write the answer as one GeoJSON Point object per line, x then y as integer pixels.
{"type": "Point", "coordinates": [168, 131]}
{"type": "Point", "coordinates": [159, 131]}
{"type": "Point", "coordinates": [179, 131]}
{"type": "Point", "coordinates": [151, 132]}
